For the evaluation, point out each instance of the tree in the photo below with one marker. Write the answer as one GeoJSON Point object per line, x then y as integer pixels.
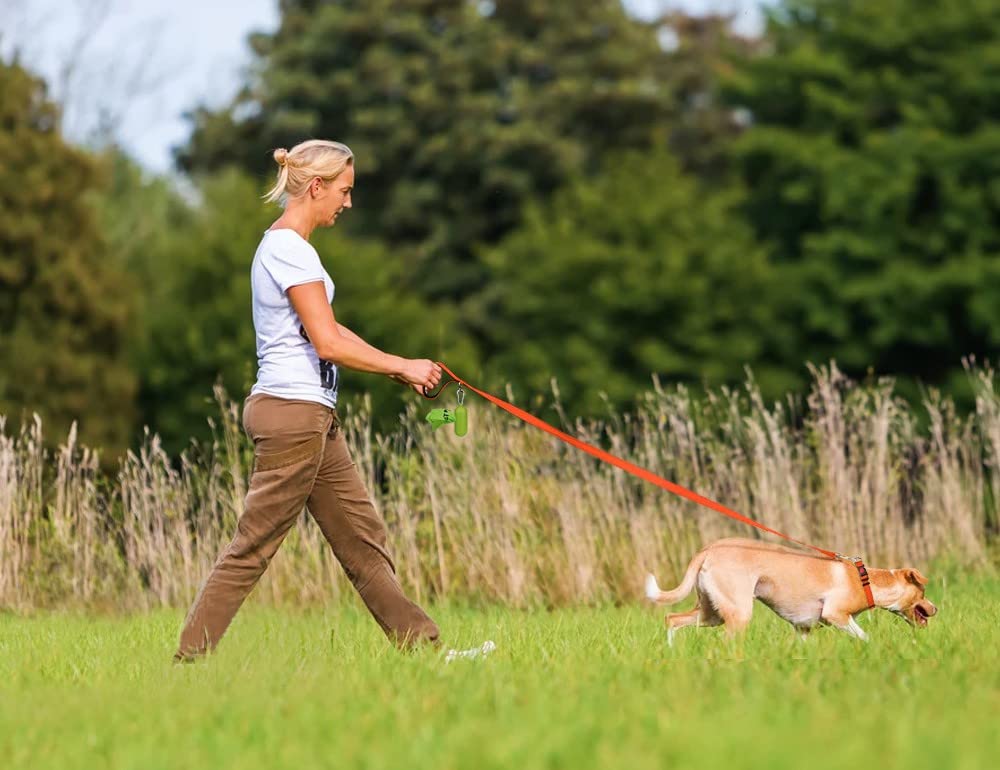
{"type": "Point", "coordinates": [701, 51]}
{"type": "Point", "coordinates": [459, 112]}
{"type": "Point", "coordinates": [873, 162]}
{"type": "Point", "coordinates": [633, 271]}
{"type": "Point", "coordinates": [64, 310]}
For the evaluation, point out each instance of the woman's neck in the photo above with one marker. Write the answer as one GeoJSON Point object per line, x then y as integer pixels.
{"type": "Point", "coordinates": [295, 219]}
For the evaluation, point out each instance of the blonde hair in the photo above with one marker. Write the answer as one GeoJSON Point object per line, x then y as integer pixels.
{"type": "Point", "coordinates": [303, 163]}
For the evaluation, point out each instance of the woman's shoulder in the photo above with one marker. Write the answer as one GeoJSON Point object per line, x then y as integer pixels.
{"type": "Point", "coordinates": [286, 235]}
{"type": "Point", "coordinates": [286, 243]}
{"type": "Point", "coordinates": [289, 260]}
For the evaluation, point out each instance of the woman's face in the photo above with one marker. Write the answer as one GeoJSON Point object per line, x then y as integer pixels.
{"type": "Point", "coordinates": [331, 198]}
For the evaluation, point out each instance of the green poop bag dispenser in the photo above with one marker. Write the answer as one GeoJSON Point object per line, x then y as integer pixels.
{"type": "Point", "coordinates": [459, 415]}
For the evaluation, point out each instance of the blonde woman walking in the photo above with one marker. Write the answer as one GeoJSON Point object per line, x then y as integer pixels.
{"type": "Point", "coordinates": [300, 455]}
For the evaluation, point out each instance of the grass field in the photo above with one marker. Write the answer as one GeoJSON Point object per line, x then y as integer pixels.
{"type": "Point", "coordinates": [572, 688]}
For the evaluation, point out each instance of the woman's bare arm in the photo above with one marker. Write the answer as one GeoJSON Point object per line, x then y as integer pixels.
{"type": "Point", "coordinates": [316, 314]}
{"type": "Point", "coordinates": [345, 332]}
{"type": "Point", "coordinates": [352, 336]}
{"type": "Point", "coordinates": [349, 350]}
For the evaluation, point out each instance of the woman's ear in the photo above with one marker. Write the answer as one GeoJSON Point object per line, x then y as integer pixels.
{"type": "Point", "coordinates": [316, 186]}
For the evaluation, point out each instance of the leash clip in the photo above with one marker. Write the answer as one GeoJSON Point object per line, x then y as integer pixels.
{"type": "Point", "coordinates": [866, 580]}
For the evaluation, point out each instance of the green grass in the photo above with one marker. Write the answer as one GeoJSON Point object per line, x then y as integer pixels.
{"type": "Point", "coordinates": [570, 688]}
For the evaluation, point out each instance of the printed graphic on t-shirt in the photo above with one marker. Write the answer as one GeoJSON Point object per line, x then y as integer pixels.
{"type": "Point", "coordinates": [328, 372]}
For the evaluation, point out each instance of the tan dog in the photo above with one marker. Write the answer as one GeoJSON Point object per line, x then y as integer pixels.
{"type": "Point", "coordinates": [804, 589]}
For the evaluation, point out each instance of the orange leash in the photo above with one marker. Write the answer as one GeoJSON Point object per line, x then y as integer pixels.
{"type": "Point", "coordinates": [652, 478]}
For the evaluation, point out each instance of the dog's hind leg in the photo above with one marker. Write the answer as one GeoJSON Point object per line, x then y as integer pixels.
{"type": "Point", "coordinates": [736, 618]}
{"type": "Point", "coordinates": [701, 615]}
{"type": "Point", "coordinates": [731, 599]}
{"type": "Point", "coordinates": [680, 620]}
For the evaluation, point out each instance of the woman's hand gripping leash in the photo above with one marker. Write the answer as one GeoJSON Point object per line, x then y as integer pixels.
{"type": "Point", "coordinates": [419, 374]}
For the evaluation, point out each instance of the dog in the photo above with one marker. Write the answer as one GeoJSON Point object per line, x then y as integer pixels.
{"type": "Point", "coordinates": [805, 589]}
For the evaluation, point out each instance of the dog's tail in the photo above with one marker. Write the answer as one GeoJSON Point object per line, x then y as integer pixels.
{"type": "Point", "coordinates": [654, 594]}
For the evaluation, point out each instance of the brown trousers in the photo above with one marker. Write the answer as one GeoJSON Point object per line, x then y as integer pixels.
{"type": "Point", "coordinates": [301, 458]}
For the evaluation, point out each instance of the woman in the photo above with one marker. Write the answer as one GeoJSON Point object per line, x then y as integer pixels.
{"type": "Point", "coordinates": [300, 455]}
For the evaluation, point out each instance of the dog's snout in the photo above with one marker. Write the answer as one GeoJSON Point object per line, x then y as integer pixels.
{"type": "Point", "coordinates": [923, 610]}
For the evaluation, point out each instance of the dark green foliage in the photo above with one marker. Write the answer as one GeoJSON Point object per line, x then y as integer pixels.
{"type": "Point", "coordinates": [457, 116]}
{"type": "Point", "coordinates": [634, 271]}
{"type": "Point", "coordinates": [545, 189]}
{"type": "Point", "coordinates": [872, 166]}
{"type": "Point", "coordinates": [64, 309]}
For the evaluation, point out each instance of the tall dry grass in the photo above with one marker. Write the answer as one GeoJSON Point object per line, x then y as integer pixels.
{"type": "Point", "coordinates": [510, 514]}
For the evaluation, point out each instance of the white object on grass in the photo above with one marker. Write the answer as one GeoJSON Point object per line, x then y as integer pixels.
{"type": "Point", "coordinates": [475, 652]}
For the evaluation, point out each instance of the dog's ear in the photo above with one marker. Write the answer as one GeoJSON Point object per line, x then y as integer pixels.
{"type": "Point", "coordinates": [914, 576]}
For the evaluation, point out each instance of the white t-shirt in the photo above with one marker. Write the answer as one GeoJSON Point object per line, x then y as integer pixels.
{"type": "Point", "coordinates": [287, 364]}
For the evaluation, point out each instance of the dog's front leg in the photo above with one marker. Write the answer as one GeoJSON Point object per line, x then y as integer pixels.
{"type": "Point", "coordinates": [858, 631]}
{"type": "Point", "coordinates": [846, 623]}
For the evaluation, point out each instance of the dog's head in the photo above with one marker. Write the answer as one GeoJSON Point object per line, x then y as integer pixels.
{"type": "Point", "coordinates": [910, 602]}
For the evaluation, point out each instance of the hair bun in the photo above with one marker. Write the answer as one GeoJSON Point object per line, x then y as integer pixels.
{"type": "Point", "coordinates": [281, 156]}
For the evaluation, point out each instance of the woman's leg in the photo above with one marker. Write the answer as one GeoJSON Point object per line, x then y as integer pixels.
{"type": "Point", "coordinates": [341, 506]}
{"type": "Point", "coordinates": [288, 437]}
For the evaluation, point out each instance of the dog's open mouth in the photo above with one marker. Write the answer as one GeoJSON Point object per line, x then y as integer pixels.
{"type": "Point", "coordinates": [920, 615]}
